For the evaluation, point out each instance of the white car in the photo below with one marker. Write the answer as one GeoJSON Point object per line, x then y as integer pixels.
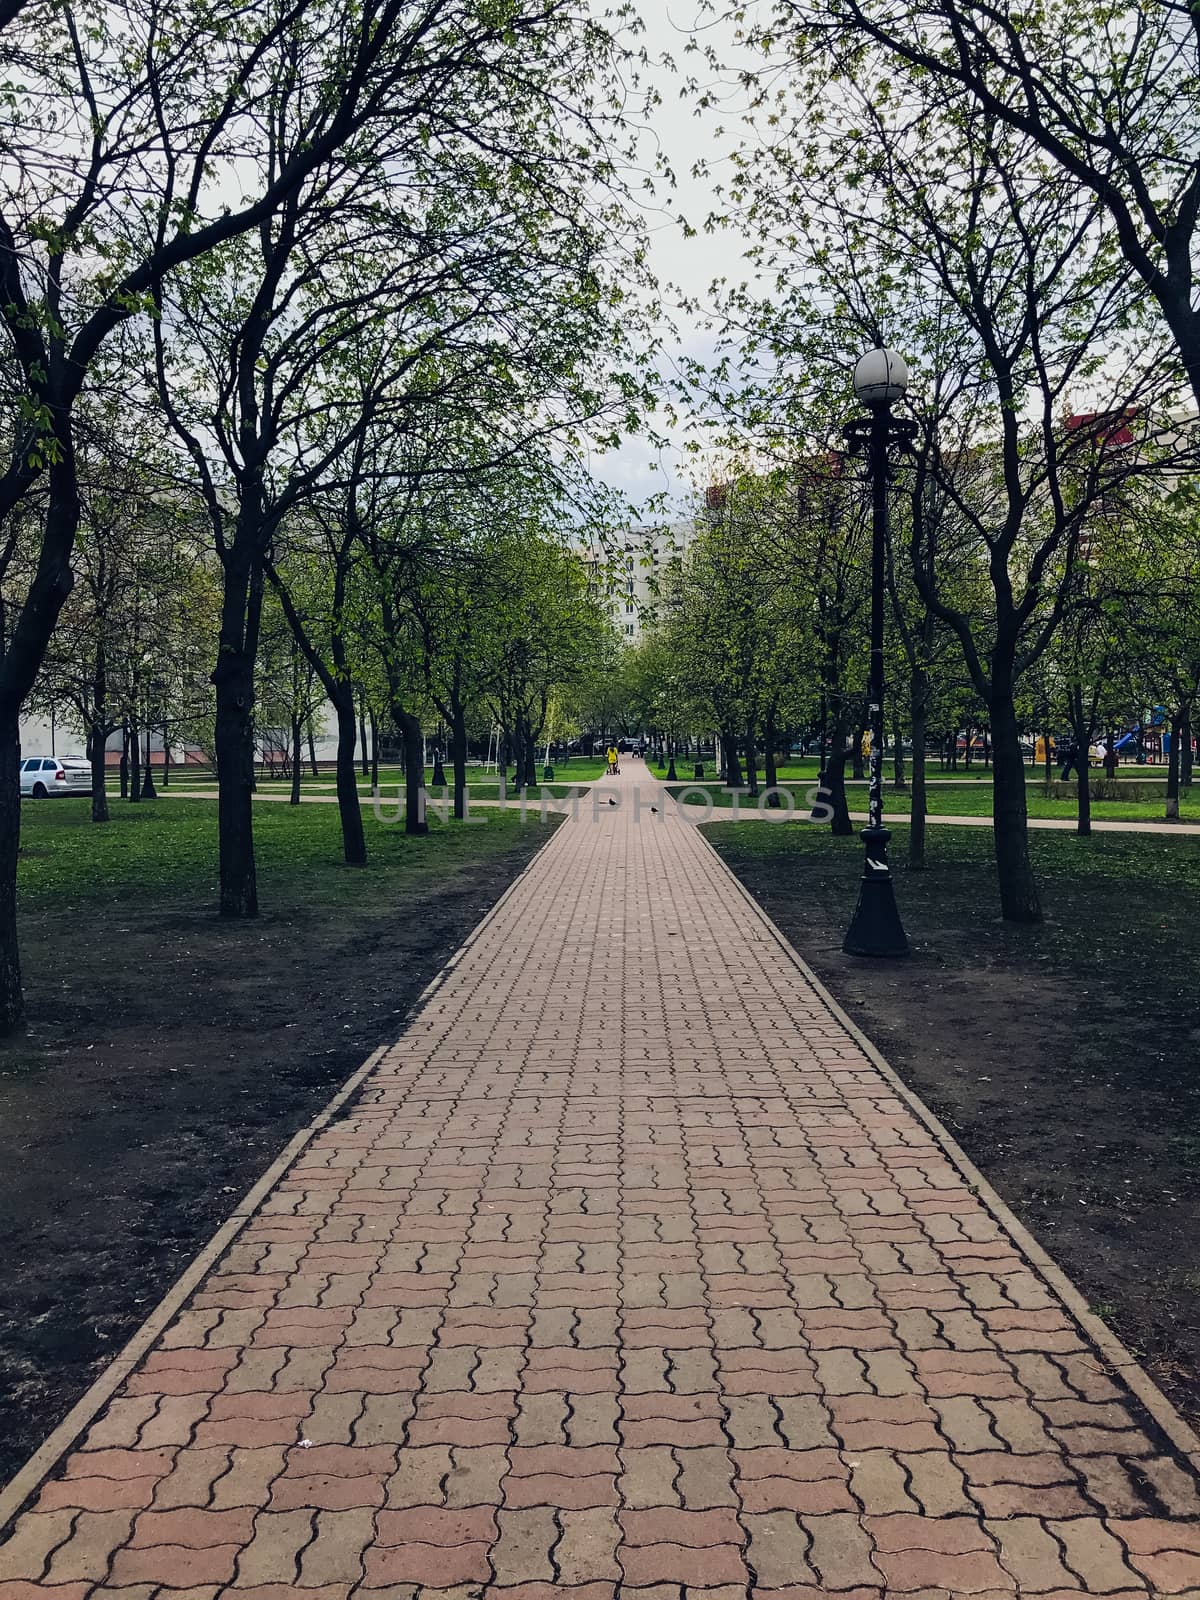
{"type": "Point", "coordinates": [46, 775]}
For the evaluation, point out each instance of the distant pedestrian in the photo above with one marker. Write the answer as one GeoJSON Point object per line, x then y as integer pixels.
{"type": "Point", "coordinates": [1070, 761]}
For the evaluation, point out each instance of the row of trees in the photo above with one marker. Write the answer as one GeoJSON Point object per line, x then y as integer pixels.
{"type": "Point", "coordinates": [1016, 211]}
{"type": "Point", "coordinates": [761, 636]}
{"type": "Point", "coordinates": [309, 314]}
{"type": "Point", "coordinates": [449, 607]}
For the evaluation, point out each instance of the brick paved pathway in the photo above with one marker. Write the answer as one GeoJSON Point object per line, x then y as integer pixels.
{"type": "Point", "coordinates": [627, 1274]}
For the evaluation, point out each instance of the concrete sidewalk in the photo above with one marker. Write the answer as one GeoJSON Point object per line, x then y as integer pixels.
{"type": "Point", "coordinates": [751, 812]}
{"type": "Point", "coordinates": [628, 1270]}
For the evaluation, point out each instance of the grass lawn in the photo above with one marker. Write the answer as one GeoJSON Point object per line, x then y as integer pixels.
{"type": "Point", "coordinates": [1062, 1056]}
{"type": "Point", "coordinates": [154, 849]}
{"type": "Point", "coordinates": [972, 800]}
{"type": "Point", "coordinates": [577, 770]}
{"type": "Point", "coordinates": [170, 1055]}
{"type": "Point", "coordinates": [806, 769]}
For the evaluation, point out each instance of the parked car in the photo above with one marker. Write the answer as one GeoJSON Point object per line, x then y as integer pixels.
{"type": "Point", "coordinates": [42, 776]}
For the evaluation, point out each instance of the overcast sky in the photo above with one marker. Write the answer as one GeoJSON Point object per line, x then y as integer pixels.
{"type": "Point", "coordinates": [684, 266]}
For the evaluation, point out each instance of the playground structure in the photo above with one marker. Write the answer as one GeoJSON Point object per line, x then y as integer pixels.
{"type": "Point", "coordinates": [1152, 737]}
{"type": "Point", "coordinates": [1159, 717]}
{"type": "Point", "coordinates": [1161, 738]}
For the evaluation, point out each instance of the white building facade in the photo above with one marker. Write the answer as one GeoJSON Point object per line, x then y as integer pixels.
{"type": "Point", "coordinates": [627, 575]}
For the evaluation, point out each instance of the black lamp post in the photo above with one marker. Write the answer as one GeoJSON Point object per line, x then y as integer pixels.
{"type": "Point", "coordinates": [673, 688]}
{"type": "Point", "coordinates": [880, 378]}
{"type": "Point", "coordinates": [155, 687]}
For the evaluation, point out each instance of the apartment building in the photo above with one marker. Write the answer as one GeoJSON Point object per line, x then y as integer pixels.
{"type": "Point", "coordinates": [627, 574]}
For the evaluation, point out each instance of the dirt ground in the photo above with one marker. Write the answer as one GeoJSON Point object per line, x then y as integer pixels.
{"type": "Point", "coordinates": [1063, 1058]}
{"type": "Point", "coordinates": [170, 1058]}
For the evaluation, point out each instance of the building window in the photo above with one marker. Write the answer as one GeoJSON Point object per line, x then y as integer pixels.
{"type": "Point", "coordinates": [629, 629]}
{"type": "Point", "coordinates": [629, 608]}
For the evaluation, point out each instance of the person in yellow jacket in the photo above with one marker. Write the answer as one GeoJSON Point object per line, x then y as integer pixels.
{"type": "Point", "coordinates": [612, 760]}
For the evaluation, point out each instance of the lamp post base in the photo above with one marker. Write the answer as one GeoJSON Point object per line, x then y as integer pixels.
{"type": "Point", "coordinates": [876, 929]}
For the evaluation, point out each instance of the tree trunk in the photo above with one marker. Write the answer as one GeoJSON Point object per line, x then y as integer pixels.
{"type": "Point", "coordinates": [97, 736]}
{"type": "Point", "coordinates": [751, 763]}
{"type": "Point", "coordinates": [1018, 891]}
{"type": "Point", "coordinates": [1110, 755]}
{"type": "Point", "coordinates": [362, 741]}
{"type": "Point", "coordinates": [857, 769]}
{"type": "Point", "coordinates": [166, 777]}
{"type": "Point", "coordinates": [967, 748]}
{"type": "Point", "coordinates": [518, 753]}
{"type": "Point", "coordinates": [354, 843]}
{"type": "Point", "coordinates": [297, 735]}
{"type": "Point", "coordinates": [835, 781]}
{"type": "Point", "coordinates": [123, 768]}
{"type": "Point", "coordinates": [233, 680]}
{"type": "Point", "coordinates": [233, 741]}
{"type": "Point", "coordinates": [918, 688]}
{"type": "Point", "coordinates": [135, 762]}
{"type": "Point", "coordinates": [770, 762]}
{"type": "Point", "coordinates": [897, 758]}
{"type": "Point", "coordinates": [24, 652]}
{"type": "Point", "coordinates": [458, 755]}
{"type": "Point", "coordinates": [1172, 810]}
{"type": "Point", "coordinates": [1083, 740]}
{"type": "Point", "coordinates": [12, 999]}
{"type": "Point", "coordinates": [1185, 749]}
{"type": "Point", "coordinates": [409, 729]}
{"type": "Point", "coordinates": [529, 780]}
{"type": "Point", "coordinates": [97, 739]}
{"type": "Point", "coordinates": [312, 750]}
{"type": "Point", "coordinates": [733, 766]}
{"type": "Point", "coordinates": [374, 725]}
{"type": "Point", "coordinates": [1049, 759]}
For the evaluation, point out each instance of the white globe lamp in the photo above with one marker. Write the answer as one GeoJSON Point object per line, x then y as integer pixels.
{"type": "Point", "coordinates": [880, 377]}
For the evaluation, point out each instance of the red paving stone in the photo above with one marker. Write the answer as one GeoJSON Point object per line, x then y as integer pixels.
{"type": "Point", "coordinates": [627, 1272]}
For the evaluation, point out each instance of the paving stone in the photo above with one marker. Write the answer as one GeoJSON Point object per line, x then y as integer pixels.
{"type": "Point", "coordinates": [937, 1483]}
{"type": "Point", "coordinates": [878, 1481]}
{"type": "Point", "coordinates": [1030, 1555]}
{"type": "Point", "coordinates": [839, 1551]}
{"type": "Point", "coordinates": [586, 1551]}
{"type": "Point", "coordinates": [26, 1552]}
{"type": "Point", "coordinates": [705, 1478]}
{"type": "Point", "coordinates": [1093, 1554]}
{"type": "Point", "coordinates": [626, 1273]}
{"type": "Point", "coordinates": [650, 1476]}
{"type": "Point", "coordinates": [273, 1553]}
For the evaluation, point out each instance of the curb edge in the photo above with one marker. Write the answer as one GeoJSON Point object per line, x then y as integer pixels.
{"type": "Point", "coordinates": [55, 1446]}
{"type": "Point", "coordinates": [1135, 1378]}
